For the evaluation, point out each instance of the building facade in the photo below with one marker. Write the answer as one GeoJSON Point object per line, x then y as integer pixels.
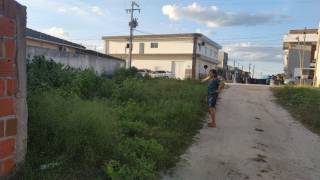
{"type": "Point", "coordinates": [223, 60]}
{"type": "Point", "coordinates": [300, 53]}
{"type": "Point", "coordinates": [185, 55]}
{"type": "Point", "coordinates": [69, 53]}
{"type": "Point", "coordinates": [317, 74]}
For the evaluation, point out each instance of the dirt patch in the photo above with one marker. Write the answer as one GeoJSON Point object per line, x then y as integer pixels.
{"type": "Point", "coordinates": [260, 158]}
{"type": "Point", "coordinates": [259, 130]}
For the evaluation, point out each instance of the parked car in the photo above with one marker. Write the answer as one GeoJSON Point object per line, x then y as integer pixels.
{"type": "Point", "coordinates": [269, 78]}
{"type": "Point", "coordinates": [170, 74]}
{"type": "Point", "coordinates": [144, 72]}
{"type": "Point", "coordinates": [158, 74]}
{"type": "Point", "coordinates": [162, 74]}
{"type": "Point", "coordinates": [290, 81]}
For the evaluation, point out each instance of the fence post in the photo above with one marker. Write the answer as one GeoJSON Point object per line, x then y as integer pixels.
{"type": "Point", "coordinates": [13, 107]}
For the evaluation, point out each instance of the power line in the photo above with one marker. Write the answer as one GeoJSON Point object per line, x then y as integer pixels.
{"type": "Point", "coordinates": [144, 32]}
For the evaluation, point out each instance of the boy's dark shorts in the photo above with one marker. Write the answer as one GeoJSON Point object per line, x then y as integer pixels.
{"type": "Point", "coordinates": [212, 100]}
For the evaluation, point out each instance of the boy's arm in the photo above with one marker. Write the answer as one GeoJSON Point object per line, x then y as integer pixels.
{"type": "Point", "coordinates": [205, 79]}
{"type": "Point", "coordinates": [221, 85]}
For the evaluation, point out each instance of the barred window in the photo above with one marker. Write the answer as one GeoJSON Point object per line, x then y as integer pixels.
{"type": "Point", "coordinates": [154, 45]}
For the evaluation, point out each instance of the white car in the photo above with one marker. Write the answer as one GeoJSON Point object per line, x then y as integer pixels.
{"type": "Point", "coordinates": [144, 72]}
{"type": "Point", "coordinates": [170, 74]}
{"type": "Point", "coordinates": [290, 81]}
{"type": "Point", "coordinates": [158, 74]}
{"type": "Point", "coordinates": [162, 74]}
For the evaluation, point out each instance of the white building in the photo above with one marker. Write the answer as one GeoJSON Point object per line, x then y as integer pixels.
{"type": "Point", "coordinates": [299, 51]}
{"type": "Point", "coordinates": [183, 54]}
{"type": "Point", "coordinates": [223, 60]}
{"type": "Point", "coordinates": [317, 78]}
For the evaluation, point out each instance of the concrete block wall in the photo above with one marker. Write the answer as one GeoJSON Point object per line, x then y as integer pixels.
{"type": "Point", "coordinates": [12, 85]}
{"type": "Point", "coordinates": [82, 61]}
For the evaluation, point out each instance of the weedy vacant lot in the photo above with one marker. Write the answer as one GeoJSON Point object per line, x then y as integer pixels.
{"type": "Point", "coordinates": [84, 126]}
{"type": "Point", "coordinates": [303, 103]}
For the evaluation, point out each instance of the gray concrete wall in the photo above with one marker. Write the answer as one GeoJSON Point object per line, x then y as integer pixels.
{"type": "Point", "coordinates": [83, 61]}
{"type": "Point", "coordinates": [21, 93]}
{"type": "Point", "coordinates": [294, 61]}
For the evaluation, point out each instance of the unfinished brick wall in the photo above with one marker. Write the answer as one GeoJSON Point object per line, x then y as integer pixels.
{"type": "Point", "coordinates": [12, 85]}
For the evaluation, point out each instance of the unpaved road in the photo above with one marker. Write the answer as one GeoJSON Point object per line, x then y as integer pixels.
{"type": "Point", "coordinates": [255, 139]}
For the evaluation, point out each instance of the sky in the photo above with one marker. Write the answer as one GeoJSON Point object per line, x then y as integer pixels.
{"type": "Point", "coordinates": [251, 31]}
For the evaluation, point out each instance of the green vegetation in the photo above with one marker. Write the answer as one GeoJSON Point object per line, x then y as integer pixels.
{"type": "Point", "coordinates": [303, 103]}
{"type": "Point", "coordinates": [84, 126]}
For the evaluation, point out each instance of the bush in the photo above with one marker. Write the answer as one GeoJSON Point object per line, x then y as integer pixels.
{"type": "Point", "coordinates": [76, 133]}
{"type": "Point", "coordinates": [137, 159]}
{"type": "Point", "coordinates": [85, 126]}
{"type": "Point", "coordinates": [123, 74]}
{"type": "Point", "coordinates": [303, 103]}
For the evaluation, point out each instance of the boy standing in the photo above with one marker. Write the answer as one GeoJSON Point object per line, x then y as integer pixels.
{"type": "Point", "coordinates": [214, 88]}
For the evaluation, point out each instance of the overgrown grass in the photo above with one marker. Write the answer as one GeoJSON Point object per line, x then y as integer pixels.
{"type": "Point", "coordinates": [84, 126]}
{"type": "Point", "coordinates": [303, 103]}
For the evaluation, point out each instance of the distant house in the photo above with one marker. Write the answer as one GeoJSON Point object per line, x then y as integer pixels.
{"type": "Point", "coordinates": [299, 50]}
{"type": "Point", "coordinates": [223, 60]}
{"type": "Point", "coordinates": [185, 55]}
{"type": "Point", "coordinates": [317, 78]}
{"type": "Point", "coordinates": [69, 53]}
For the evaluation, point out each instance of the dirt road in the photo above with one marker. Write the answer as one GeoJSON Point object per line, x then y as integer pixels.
{"type": "Point", "coordinates": [255, 139]}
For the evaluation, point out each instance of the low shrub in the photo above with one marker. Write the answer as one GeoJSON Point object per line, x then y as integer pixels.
{"type": "Point", "coordinates": [85, 126]}
{"type": "Point", "coordinates": [78, 134]}
{"type": "Point", "coordinates": [303, 103]}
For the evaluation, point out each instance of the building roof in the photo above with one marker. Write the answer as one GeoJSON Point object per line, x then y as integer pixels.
{"type": "Point", "coordinates": [95, 53]}
{"type": "Point", "coordinates": [301, 31]}
{"type": "Point", "coordinates": [182, 35]}
{"type": "Point", "coordinates": [45, 37]}
{"type": "Point", "coordinates": [80, 49]}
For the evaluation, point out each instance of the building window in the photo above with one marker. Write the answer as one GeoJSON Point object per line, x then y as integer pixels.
{"type": "Point", "coordinates": [141, 48]}
{"type": "Point", "coordinates": [154, 45]}
{"type": "Point", "coordinates": [62, 48]}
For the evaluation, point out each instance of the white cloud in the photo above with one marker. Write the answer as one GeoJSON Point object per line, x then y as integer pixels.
{"type": "Point", "coordinates": [57, 32]}
{"type": "Point", "coordinates": [62, 9]}
{"type": "Point", "coordinates": [81, 10]}
{"type": "Point", "coordinates": [214, 17]}
{"type": "Point", "coordinates": [96, 10]}
{"type": "Point", "coordinates": [254, 52]}
{"type": "Point", "coordinates": [207, 32]}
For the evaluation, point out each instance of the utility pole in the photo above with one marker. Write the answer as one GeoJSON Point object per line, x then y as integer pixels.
{"type": "Point", "coordinates": [316, 76]}
{"type": "Point", "coordinates": [234, 72]}
{"type": "Point", "coordinates": [249, 70]}
{"type": "Point", "coordinates": [132, 24]}
{"type": "Point", "coordinates": [300, 59]}
{"type": "Point", "coordinates": [304, 46]}
{"type": "Point", "coordinates": [253, 71]}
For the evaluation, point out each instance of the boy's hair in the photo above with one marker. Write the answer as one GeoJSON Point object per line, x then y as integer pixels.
{"type": "Point", "coordinates": [214, 72]}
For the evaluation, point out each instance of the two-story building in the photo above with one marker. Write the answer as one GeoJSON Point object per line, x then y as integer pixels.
{"type": "Point", "coordinates": [317, 73]}
{"type": "Point", "coordinates": [223, 60]}
{"type": "Point", "coordinates": [185, 55]}
{"type": "Point", "coordinates": [300, 53]}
